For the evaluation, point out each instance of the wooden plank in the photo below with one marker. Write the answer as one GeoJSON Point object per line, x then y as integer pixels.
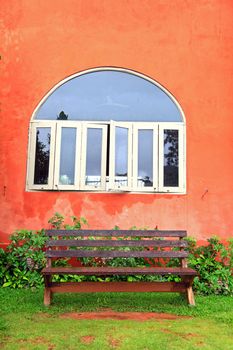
{"type": "Point", "coordinates": [116, 243]}
{"type": "Point", "coordinates": [90, 287]}
{"type": "Point", "coordinates": [109, 271]}
{"type": "Point", "coordinates": [114, 254]}
{"type": "Point", "coordinates": [117, 233]}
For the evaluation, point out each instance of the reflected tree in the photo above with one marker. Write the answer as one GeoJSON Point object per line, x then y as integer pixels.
{"type": "Point", "coordinates": [62, 116]}
{"type": "Point", "coordinates": [171, 158]}
{"type": "Point", "coordinates": [171, 147]}
{"type": "Point", "coordinates": [42, 160]}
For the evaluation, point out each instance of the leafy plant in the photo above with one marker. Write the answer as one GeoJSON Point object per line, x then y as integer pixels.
{"type": "Point", "coordinates": [213, 262]}
{"type": "Point", "coordinates": [23, 259]}
{"type": "Point", "coordinates": [57, 222]}
{"type": "Point", "coordinates": [21, 263]}
{"type": "Point", "coordinates": [2, 265]}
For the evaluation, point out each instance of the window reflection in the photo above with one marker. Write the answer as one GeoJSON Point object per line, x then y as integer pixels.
{"type": "Point", "coordinates": [93, 157]}
{"type": "Point", "coordinates": [62, 116]}
{"type": "Point", "coordinates": [121, 156]}
{"type": "Point", "coordinates": [41, 172]}
{"type": "Point", "coordinates": [109, 95]}
{"type": "Point", "coordinates": [145, 158]}
{"type": "Point", "coordinates": [171, 158]}
{"type": "Point", "coordinates": [67, 156]}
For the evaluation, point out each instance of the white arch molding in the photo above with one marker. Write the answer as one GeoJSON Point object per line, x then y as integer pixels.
{"type": "Point", "coordinates": [110, 68]}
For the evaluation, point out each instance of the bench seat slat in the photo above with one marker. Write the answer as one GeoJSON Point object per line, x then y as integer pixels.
{"type": "Point", "coordinates": [116, 233]}
{"type": "Point", "coordinates": [109, 271]}
{"type": "Point", "coordinates": [116, 243]}
{"type": "Point", "coordinates": [114, 254]}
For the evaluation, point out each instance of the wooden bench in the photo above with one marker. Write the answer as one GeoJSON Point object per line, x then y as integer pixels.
{"type": "Point", "coordinates": [106, 245]}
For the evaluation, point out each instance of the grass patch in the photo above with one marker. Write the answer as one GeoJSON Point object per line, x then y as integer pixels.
{"type": "Point", "coordinates": [26, 324]}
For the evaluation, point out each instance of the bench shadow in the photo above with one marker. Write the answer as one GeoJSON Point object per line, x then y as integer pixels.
{"type": "Point", "coordinates": [141, 302]}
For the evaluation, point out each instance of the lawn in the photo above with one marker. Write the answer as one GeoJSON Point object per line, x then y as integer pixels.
{"type": "Point", "coordinates": [26, 324]}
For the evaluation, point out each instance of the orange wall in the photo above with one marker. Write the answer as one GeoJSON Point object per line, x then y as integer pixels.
{"type": "Point", "coordinates": [184, 45]}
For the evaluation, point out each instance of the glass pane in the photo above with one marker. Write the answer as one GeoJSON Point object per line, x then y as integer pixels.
{"type": "Point", "coordinates": [93, 157]}
{"type": "Point", "coordinates": [67, 156]}
{"type": "Point", "coordinates": [42, 156]}
{"type": "Point", "coordinates": [109, 95]}
{"type": "Point", "coordinates": [171, 158]}
{"type": "Point", "coordinates": [121, 157]}
{"type": "Point", "coordinates": [145, 158]}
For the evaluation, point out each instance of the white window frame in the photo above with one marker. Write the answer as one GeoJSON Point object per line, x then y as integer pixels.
{"type": "Point", "coordinates": [83, 185]}
{"type": "Point", "coordinates": [113, 186]}
{"type": "Point", "coordinates": [77, 170]}
{"type": "Point", "coordinates": [32, 155]}
{"type": "Point", "coordinates": [181, 188]}
{"type": "Point", "coordinates": [108, 184]}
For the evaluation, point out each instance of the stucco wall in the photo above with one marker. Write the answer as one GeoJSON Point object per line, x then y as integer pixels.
{"type": "Point", "coordinates": [184, 45]}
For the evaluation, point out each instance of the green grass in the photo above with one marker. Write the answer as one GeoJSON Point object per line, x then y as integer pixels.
{"type": "Point", "coordinates": [26, 324]}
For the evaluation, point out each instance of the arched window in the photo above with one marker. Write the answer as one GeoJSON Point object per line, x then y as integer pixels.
{"type": "Point", "coordinates": [107, 129]}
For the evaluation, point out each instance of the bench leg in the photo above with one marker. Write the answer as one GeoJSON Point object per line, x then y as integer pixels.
{"type": "Point", "coordinates": [47, 291]}
{"type": "Point", "coordinates": [189, 290]}
{"type": "Point", "coordinates": [47, 296]}
{"type": "Point", "coordinates": [190, 296]}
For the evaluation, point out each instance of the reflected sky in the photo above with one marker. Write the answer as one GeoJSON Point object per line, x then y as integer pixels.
{"type": "Point", "coordinates": [93, 156]}
{"type": "Point", "coordinates": [67, 156]}
{"type": "Point", "coordinates": [110, 95]}
{"type": "Point", "coordinates": [145, 156]}
{"type": "Point", "coordinates": [121, 152]}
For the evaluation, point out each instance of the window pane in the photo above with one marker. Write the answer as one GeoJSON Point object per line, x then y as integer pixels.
{"type": "Point", "coordinates": [42, 156]}
{"type": "Point", "coordinates": [145, 158]}
{"type": "Point", "coordinates": [109, 95]}
{"type": "Point", "coordinates": [67, 160]}
{"type": "Point", "coordinates": [171, 158]}
{"type": "Point", "coordinates": [93, 157]}
{"type": "Point", "coordinates": [121, 156]}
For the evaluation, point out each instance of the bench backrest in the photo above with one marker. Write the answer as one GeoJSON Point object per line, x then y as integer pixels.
{"type": "Point", "coordinates": [110, 243]}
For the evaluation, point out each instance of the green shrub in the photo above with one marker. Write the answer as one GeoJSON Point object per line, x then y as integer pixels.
{"type": "Point", "coordinates": [214, 264]}
{"type": "Point", "coordinates": [2, 265]}
{"type": "Point", "coordinates": [23, 260]}
{"type": "Point", "coordinates": [21, 263]}
{"type": "Point", "coordinates": [57, 221]}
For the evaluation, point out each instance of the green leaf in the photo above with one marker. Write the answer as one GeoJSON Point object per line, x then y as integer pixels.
{"type": "Point", "coordinates": [7, 284]}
